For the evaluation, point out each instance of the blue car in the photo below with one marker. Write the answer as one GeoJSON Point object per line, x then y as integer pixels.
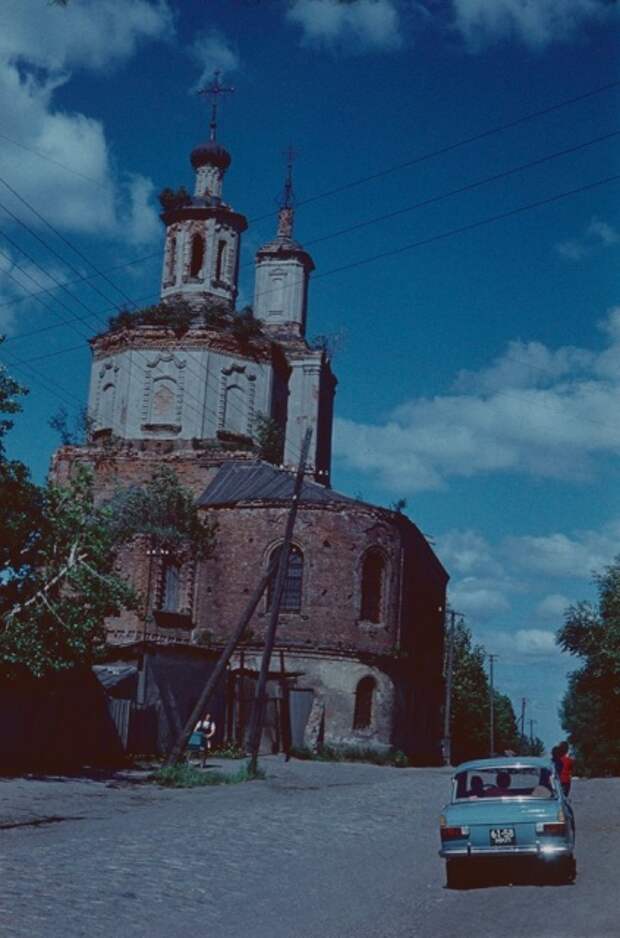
{"type": "Point", "coordinates": [507, 808]}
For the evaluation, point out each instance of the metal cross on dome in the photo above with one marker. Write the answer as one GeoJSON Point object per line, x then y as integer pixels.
{"type": "Point", "coordinates": [215, 89]}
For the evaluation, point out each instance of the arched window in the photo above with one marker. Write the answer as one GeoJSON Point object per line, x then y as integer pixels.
{"type": "Point", "coordinates": [373, 576]}
{"type": "Point", "coordinates": [164, 401]}
{"type": "Point", "coordinates": [235, 412]}
{"type": "Point", "coordinates": [220, 259]}
{"type": "Point", "coordinates": [106, 406]}
{"type": "Point", "coordinates": [172, 259]}
{"type": "Point", "coordinates": [170, 587]}
{"type": "Point", "coordinates": [198, 253]}
{"type": "Point", "coordinates": [291, 595]}
{"type": "Point", "coordinates": [362, 714]}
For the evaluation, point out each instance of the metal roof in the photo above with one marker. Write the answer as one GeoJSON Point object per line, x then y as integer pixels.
{"type": "Point", "coordinates": [260, 481]}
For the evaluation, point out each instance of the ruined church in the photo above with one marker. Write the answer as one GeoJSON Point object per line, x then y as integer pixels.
{"type": "Point", "coordinates": [225, 398]}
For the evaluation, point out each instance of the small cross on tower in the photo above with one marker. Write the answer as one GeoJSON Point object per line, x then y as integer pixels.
{"type": "Point", "coordinates": [285, 215]}
{"type": "Point", "coordinates": [214, 89]}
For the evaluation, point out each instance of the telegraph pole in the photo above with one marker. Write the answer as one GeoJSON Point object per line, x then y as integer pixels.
{"type": "Point", "coordinates": [256, 723]}
{"type": "Point", "coordinates": [446, 743]}
{"type": "Point", "coordinates": [491, 707]}
{"type": "Point", "coordinates": [522, 719]}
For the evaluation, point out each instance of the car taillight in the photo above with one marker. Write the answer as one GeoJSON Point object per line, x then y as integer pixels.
{"type": "Point", "coordinates": [454, 833]}
{"type": "Point", "coordinates": [555, 829]}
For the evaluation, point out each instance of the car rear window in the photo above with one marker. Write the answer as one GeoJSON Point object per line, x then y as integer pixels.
{"type": "Point", "coordinates": [508, 782]}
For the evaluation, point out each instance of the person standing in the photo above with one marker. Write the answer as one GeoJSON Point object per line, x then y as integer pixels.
{"type": "Point", "coordinates": [566, 767]}
{"type": "Point", "coordinates": [206, 728]}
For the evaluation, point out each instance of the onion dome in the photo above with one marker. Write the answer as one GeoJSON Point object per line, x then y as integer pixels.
{"type": "Point", "coordinates": [210, 154]}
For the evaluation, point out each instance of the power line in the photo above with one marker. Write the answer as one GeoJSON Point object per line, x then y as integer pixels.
{"type": "Point", "coordinates": [452, 146]}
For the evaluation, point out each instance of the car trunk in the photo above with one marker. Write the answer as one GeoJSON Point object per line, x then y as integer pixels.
{"type": "Point", "coordinates": [520, 815]}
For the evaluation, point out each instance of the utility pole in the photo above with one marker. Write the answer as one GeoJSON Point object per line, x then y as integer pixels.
{"type": "Point", "coordinates": [522, 719]}
{"type": "Point", "coordinates": [256, 723]}
{"type": "Point", "coordinates": [446, 743]}
{"type": "Point", "coordinates": [491, 707]}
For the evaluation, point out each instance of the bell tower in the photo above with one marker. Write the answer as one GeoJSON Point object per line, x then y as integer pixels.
{"type": "Point", "coordinates": [203, 233]}
{"type": "Point", "coordinates": [283, 270]}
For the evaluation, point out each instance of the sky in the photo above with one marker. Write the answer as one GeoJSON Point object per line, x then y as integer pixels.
{"type": "Point", "coordinates": [455, 186]}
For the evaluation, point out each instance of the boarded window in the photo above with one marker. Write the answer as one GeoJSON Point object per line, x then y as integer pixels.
{"type": "Point", "coordinates": [362, 714]}
{"type": "Point", "coordinates": [220, 260]}
{"type": "Point", "coordinates": [235, 411]}
{"type": "Point", "coordinates": [170, 587]}
{"type": "Point", "coordinates": [106, 406]}
{"type": "Point", "coordinates": [291, 595]}
{"type": "Point", "coordinates": [198, 253]}
{"type": "Point", "coordinates": [373, 576]}
{"type": "Point", "coordinates": [164, 402]}
{"type": "Point", "coordinates": [172, 259]}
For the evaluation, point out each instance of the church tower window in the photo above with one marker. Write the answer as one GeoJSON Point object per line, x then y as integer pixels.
{"type": "Point", "coordinates": [198, 254]}
{"type": "Point", "coordinates": [106, 406]}
{"type": "Point", "coordinates": [291, 595]}
{"type": "Point", "coordinates": [172, 260]}
{"type": "Point", "coordinates": [362, 714]}
{"type": "Point", "coordinates": [170, 587]}
{"type": "Point", "coordinates": [373, 577]}
{"type": "Point", "coordinates": [220, 260]}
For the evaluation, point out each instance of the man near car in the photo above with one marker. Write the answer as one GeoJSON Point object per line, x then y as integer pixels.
{"type": "Point", "coordinates": [566, 767]}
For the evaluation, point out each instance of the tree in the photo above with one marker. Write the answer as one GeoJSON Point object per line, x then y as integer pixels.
{"type": "Point", "coordinates": [469, 717]}
{"type": "Point", "coordinates": [470, 710]}
{"type": "Point", "coordinates": [590, 710]}
{"type": "Point", "coordinates": [269, 438]}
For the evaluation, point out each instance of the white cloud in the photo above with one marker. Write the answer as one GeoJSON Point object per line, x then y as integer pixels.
{"type": "Point", "coordinates": [474, 598]}
{"type": "Point", "coordinates": [523, 643]}
{"type": "Point", "coordinates": [40, 48]}
{"type": "Point", "coordinates": [507, 423]}
{"type": "Point", "coordinates": [553, 606]}
{"type": "Point", "coordinates": [536, 23]}
{"type": "Point", "coordinates": [597, 236]}
{"type": "Point", "coordinates": [362, 25]}
{"type": "Point", "coordinates": [212, 50]}
{"type": "Point", "coordinates": [467, 552]}
{"type": "Point", "coordinates": [579, 554]}
{"type": "Point", "coordinates": [17, 278]}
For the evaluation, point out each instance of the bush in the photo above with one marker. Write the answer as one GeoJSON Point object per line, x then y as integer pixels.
{"type": "Point", "coordinates": [186, 776]}
{"type": "Point", "coordinates": [393, 757]}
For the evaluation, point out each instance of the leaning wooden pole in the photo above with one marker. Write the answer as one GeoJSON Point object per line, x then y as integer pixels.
{"type": "Point", "coordinates": [256, 724]}
{"type": "Point", "coordinates": [180, 744]}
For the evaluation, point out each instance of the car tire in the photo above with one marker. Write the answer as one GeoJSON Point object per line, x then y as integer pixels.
{"type": "Point", "coordinates": [566, 871]}
{"type": "Point", "coordinates": [456, 874]}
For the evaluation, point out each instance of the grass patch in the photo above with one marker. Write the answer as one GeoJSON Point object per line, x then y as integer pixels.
{"type": "Point", "coordinates": [393, 757]}
{"type": "Point", "coordinates": [186, 776]}
{"type": "Point", "coordinates": [231, 751]}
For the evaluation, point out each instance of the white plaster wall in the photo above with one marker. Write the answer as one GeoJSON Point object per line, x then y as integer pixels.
{"type": "Point", "coordinates": [303, 408]}
{"type": "Point", "coordinates": [285, 304]}
{"type": "Point", "coordinates": [201, 377]}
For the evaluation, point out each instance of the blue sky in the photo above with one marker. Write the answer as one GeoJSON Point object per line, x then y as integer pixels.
{"type": "Point", "coordinates": [479, 374]}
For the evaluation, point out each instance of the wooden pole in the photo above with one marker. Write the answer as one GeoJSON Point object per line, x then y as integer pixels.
{"type": "Point", "coordinates": [447, 736]}
{"type": "Point", "coordinates": [256, 724]}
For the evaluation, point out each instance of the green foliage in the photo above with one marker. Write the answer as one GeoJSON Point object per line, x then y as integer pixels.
{"type": "Point", "coordinates": [186, 776]}
{"type": "Point", "coordinates": [228, 751]}
{"type": "Point", "coordinates": [399, 505]}
{"type": "Point", "coordinates": [72, 433]}
{"type": "Point", "coordinates": [531, 747]}
{"type": "Point", "coordinates": [177, 316]}
{"type": "Point", "coordinates": [245, 327]}
{"type": "Point", "coordinates": [269, 437]}
{"type": "Point", "coordinates": [590, 710]}
{"type": "Point", "coordinates": [10, 392]}
{"type": "Point", "coordinates": [166, 511]}
{"type": "Point", "coordinates": [54, 609]}
{"type": "Point", "coordinates": [470, 699]}
{"type": "Point", "coordinates": [393, 757]}
{"type": "Point", "coordinates": [170, 199]}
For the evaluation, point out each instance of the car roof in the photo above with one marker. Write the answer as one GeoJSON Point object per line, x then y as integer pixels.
{"type": "Point", "coordinates": [503, 762]}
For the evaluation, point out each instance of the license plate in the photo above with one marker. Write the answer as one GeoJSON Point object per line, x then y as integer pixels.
{"type": "Point", "coordinates": [502, 836]}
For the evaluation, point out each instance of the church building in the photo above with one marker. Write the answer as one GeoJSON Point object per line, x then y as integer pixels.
{"type": "Point", "coordinates": [225, 399]}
